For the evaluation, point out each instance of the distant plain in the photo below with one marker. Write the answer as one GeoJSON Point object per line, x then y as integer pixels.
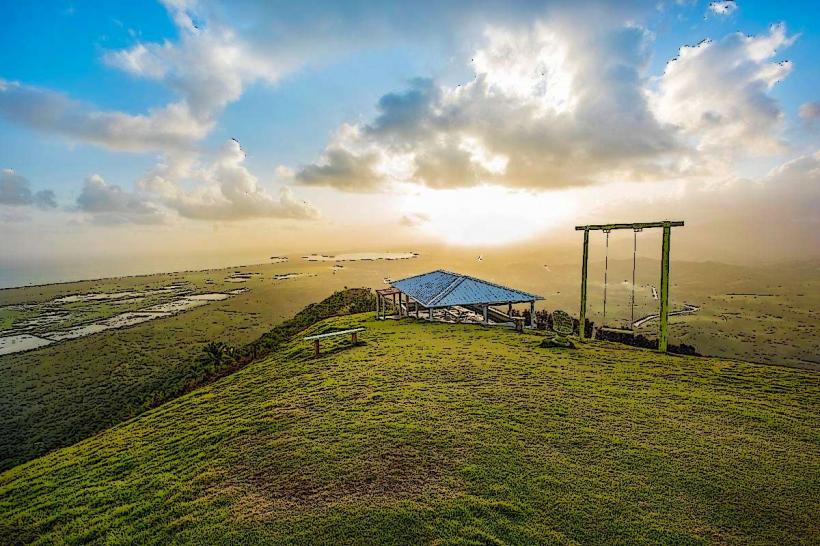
{"type": "Point", "coordinates": [60, 393]}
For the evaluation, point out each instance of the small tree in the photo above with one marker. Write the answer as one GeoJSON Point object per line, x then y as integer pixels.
{"type": "Point", "coordinates": [215, 354]}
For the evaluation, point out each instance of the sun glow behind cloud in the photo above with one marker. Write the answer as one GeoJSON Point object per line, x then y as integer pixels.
{"type": "Point", "coordinates": [487, 214]}
{"type": "Point", "coordinates": [530, 66]}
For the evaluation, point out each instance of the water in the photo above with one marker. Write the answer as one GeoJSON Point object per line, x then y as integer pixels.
{"type": "Point", "coordinates": [25, 342]}
{"type": "Point", "coordinates": [360, 256]}
{"type": "Point", "coordinates": [21, 342]}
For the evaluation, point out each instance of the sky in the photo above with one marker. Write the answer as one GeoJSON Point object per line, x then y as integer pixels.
{"type": "Point", "coordinates": [210, 129]}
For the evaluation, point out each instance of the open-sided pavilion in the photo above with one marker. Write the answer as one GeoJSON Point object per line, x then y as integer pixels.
{"type": "Point", "coordinates": [448, 296]}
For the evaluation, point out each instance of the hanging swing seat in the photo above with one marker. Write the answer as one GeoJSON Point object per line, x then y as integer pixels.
{"type": "Point", "coordinates": [604, 327]}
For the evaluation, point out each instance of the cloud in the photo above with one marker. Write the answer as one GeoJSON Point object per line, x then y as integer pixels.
{"type": "Point", "coordinates": [810, 111]}
{"type": "Point", "coordinates": [765, 218]}
{"type": "Point", "coordinates": [221, 48]}
{"type": "Point", "coordinates": [342, 167]}
{"type": "Point", "coordinates": [226, 190]}
{"type": "Point", "coordinates": [110, 204]}
{"type": "Point", "coordinates": [717, 93]}
{"type": "Point", "coordinates": [172, 126]}
{"type": "Point", "coordinates": [724, 7]}
{"type": "Point", "coordinates": [547, 108]}
{"type": "Point", "coordinates": [15, 190]}
{"type": "Point", "coordinates": [414, 219]}
{"type": "Point", "coordinates": [207, 68]}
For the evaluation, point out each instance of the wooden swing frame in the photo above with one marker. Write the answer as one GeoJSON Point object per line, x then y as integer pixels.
{"type": "Point", "coordinates": [663, 330]}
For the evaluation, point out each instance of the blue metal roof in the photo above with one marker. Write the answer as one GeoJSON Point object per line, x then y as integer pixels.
{"type": "Point", "coordinates": [442, 289]}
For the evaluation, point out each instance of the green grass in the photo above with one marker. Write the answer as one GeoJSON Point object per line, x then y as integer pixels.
{"type": "Point", "coordinates": [434, 433]}
{"type": "Point", "coordinates": [10, 317]}
{"type": "Point", "coordinates": [65, 392]}
{"type": "Point", "coordinates": [62, 393]}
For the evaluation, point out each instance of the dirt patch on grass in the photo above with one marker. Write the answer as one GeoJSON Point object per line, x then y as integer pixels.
{"type": "Point", "coordinates": [383, 475]}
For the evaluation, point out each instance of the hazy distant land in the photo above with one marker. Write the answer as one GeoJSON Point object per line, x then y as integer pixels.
{"type": "Point", "coordinates": [132, 337]}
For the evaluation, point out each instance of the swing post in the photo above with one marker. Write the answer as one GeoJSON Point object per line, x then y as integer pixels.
{"type": "Point", "coordinates": [663, 334]}
{"type": "Point", "coordinates": [663, 312]}
{"type": "Point", "coordinates": [583, 316]}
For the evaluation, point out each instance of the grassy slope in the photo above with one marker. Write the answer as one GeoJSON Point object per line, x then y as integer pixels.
{"type": "Point", "coordinates": [60, 394]}
{"type": "Point", "coordinates": [458, 433]}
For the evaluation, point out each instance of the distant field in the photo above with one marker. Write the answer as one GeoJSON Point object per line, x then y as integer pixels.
{"type": "Point", "coordinates": [56, 395]}
{"type": "Point", "coordinates": [446, 434]}
{"type": "Point", "coordinates": [61, 393]}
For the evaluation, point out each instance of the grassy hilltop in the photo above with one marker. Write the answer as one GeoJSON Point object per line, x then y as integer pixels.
{"type": "Point", "coordinates": [450, 434]}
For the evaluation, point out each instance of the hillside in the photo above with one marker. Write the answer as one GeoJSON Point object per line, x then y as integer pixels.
{"type": "Point", "coordinates": [447, 434]}
{"type": "Point", "coordinates": [63, 393]}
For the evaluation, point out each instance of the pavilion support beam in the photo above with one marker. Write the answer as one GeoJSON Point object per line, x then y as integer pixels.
{"type": "Point", "coordinates": [663, 333]}
{"type": "Point", "coordinates": [486, 309]}
{"type": "Point", "coordinates": [584, 270]}
{"type": "Point", "coordinates": [431, 313]}
{"type": "Point", "coordinates": [378, 297]}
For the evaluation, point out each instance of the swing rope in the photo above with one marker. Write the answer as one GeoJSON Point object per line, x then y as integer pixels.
{"type": "Point", "coordinates": [634, 268]}
{"type": "Point", "coordinates": [606, 272]}
{"type": "Point", "coordinates": [634, 259]}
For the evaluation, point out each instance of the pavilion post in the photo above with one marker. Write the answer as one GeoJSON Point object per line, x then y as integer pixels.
{"type": "Point", "coordinates": [509, 309]}
{"type": "Point", "coordinates": [486, 320]}
{"type": "Point", "coordinates": [583, 316]}
{"type": "Point", "coordinates": [431, 313]}
{"type": "Point", "coordinates": [532, 314]}
{"type": "Point", "coordinates": [417, 309]}
{"type": "Point", "coordinates": [663, 333]}
{"type": "Point", "coordinates": [378, 297]}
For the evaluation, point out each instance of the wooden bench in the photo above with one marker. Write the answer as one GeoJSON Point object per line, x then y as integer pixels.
{"type": "Point", "coordinates": [315, 339]}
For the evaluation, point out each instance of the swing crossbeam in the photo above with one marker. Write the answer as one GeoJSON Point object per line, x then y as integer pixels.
{"type": "Point", "coordinates": [637, 225]}
{"type": "Point", "coordinates": [667, 225]}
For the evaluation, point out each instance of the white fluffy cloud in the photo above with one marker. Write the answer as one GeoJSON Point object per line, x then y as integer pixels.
{"type": "Point", "coordinates": [226, 190]}
{"type": "Point", "coordinates": [223, 190]}
{"type": "Point", "coordinates": [548, 108]}
{"type": "Point", "coordinates": [717, 93]}
{"type": "Point", "coordinates": [172, 126]}
{"type": "Point", "coordinates": [207, 68]}
{"type": "Point", "coordinates": [15, 190]}
{"type": "Point", "coordinates": [110, 204]}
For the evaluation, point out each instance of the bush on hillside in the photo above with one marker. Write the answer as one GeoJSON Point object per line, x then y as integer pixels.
{"type": "Point", "coordinates": [644, 342]}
